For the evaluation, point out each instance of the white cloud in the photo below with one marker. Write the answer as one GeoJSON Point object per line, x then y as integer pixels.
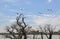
{"type": "Point", "coordinates": [49, 1]}
{"type": "Point", "coordinates": [12, 20]}
{"type": "Point", "coordinates": [7, 8]}
{"type": "Point", "coordinates": [45, 20]}
{"type": "Point", "coordinates": [6, 20]}
{"type": "Point", "coordinates": [2, 29]}
{"type": "Point", "coordinates": [48, 15]}
{"type": "Point", "coordinates": [13, 10]}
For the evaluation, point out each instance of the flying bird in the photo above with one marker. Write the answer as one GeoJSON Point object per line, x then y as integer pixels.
{"type": "Point", "coordinates": [17, 13]}
{"type": "Point", "coordinates": [49, 10]}
{"type": "Point", "coordinates": [39, 12]}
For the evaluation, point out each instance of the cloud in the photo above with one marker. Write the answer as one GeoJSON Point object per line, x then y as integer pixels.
{"type": "Point", "coordinates": [8, 8]}
{"type": "Point", "coordinates": [13, 10]}
{"type": "Point", "coordinates": [45, 20]}
{"type": "Point", "coordinates": [2, 29]}
{"type": "Point", "coordinates": [6, 20]}
{"type": "Point", "coordinates": [48, 15]}
{"type": "Point", "coordinates": [38, 20]}
{"type": "Point", "coordinates": [12, 20]}
{"type": "Point", "coordinates": [49, 1]}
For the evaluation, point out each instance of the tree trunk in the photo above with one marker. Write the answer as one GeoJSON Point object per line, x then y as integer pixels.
{"type": "Point", "coordinates": [20, 37]}
{"type": "Point", "coordinates": [33, 36]}
{"type": "Point", "coordinates": [50, 36]}
{"type": "Point", "coordinates": [41, 36]}
{"type": "Point", "coordinates": [25, 36]}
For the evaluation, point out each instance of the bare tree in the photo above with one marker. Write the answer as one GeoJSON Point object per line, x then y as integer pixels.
{"type": "Point", "coordinates": [41, 30]}
{"type": "Point", "coordinates": [11, 31]}
{"type": "Point", "coordinates": [20, 28]}
{"type": "Point", "coordinates": [48, 29]}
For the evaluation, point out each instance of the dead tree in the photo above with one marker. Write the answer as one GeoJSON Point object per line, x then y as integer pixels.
{"type": "Point", "coordinates": [48, 29]}
{"type": "Point", "coordinates": [41, 30]}
{"type": "Point", "coordinates": [20, 27]}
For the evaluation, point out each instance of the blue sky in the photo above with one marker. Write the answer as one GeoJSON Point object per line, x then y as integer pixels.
{"type": "Point", "coordinates": [37, 12]}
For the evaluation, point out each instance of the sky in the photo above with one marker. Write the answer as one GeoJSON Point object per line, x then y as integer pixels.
{"type": "Point", "coordinates": [37, 12]}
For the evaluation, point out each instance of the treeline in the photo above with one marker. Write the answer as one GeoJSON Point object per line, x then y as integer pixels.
{"type": "Point", "coordinates": [22, 29]}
